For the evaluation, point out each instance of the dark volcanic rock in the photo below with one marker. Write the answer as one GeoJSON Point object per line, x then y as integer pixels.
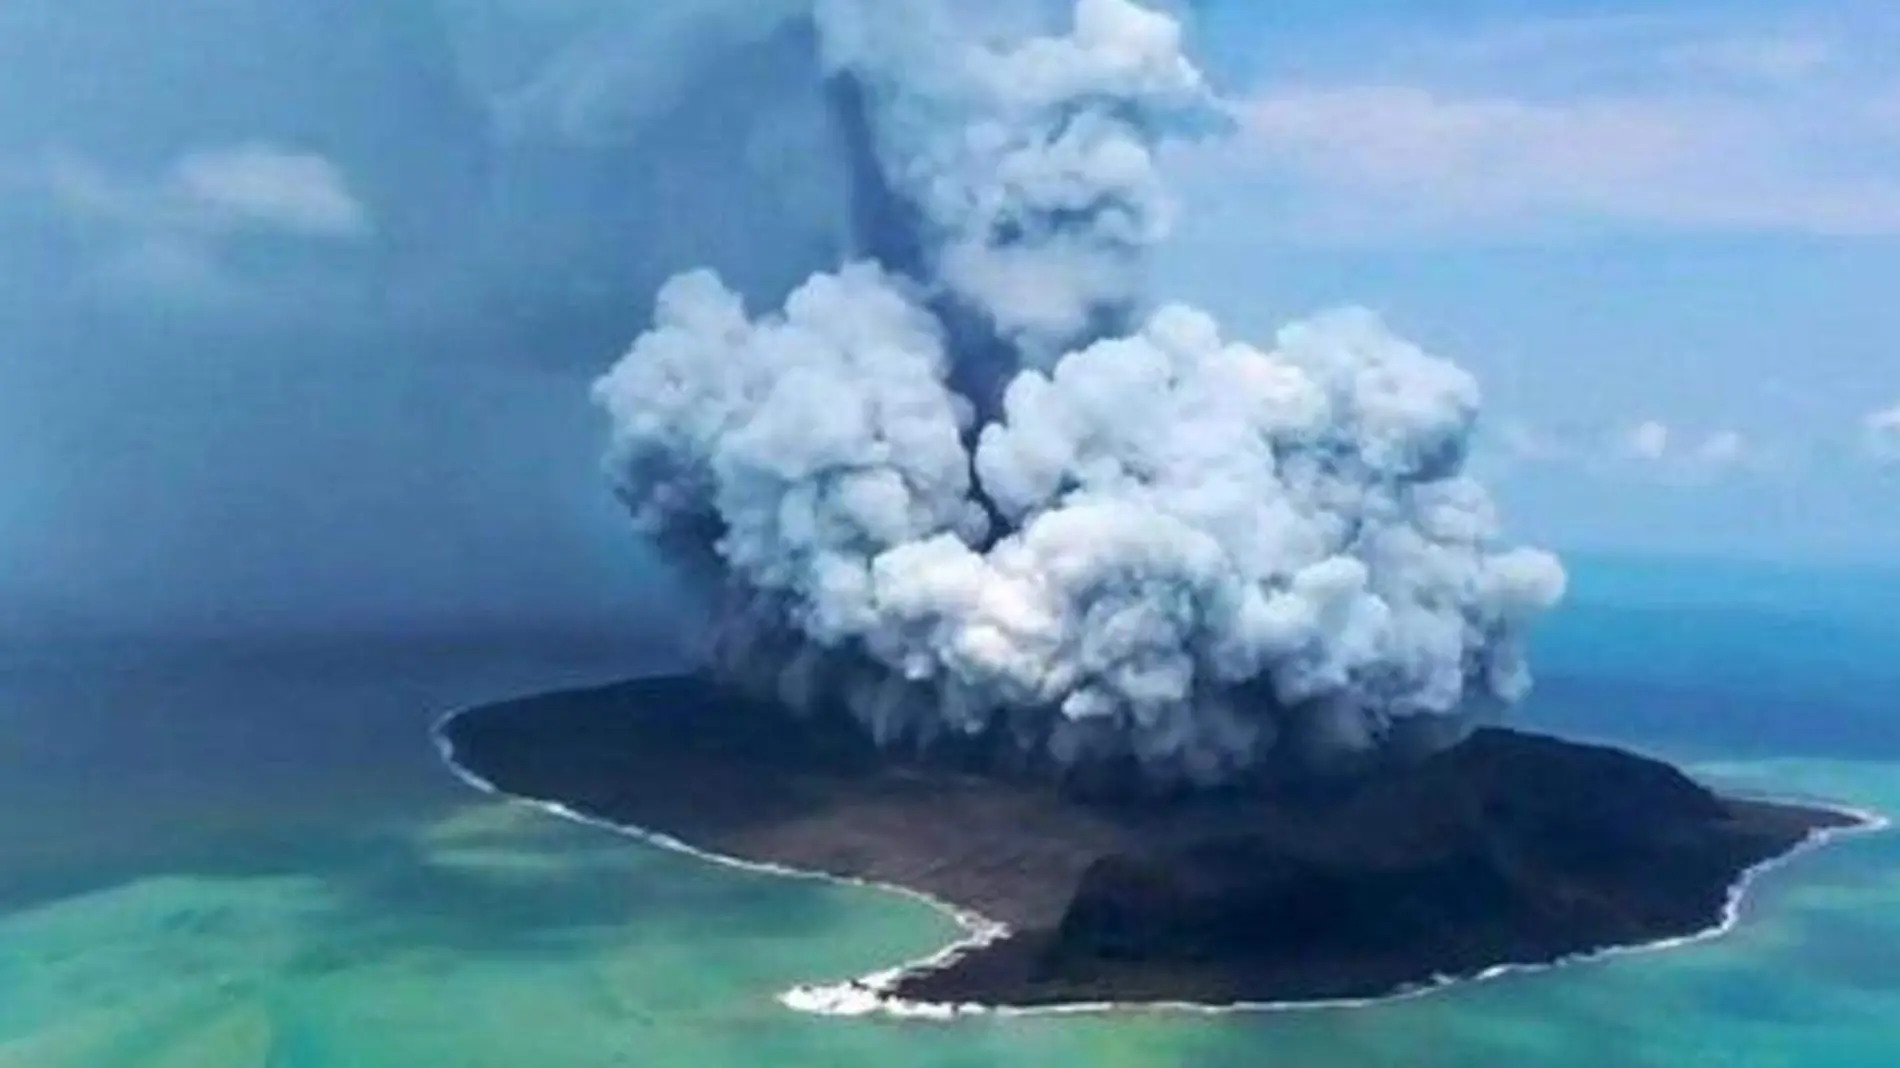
{"type": "Point", "coordinates": [1510, 848]}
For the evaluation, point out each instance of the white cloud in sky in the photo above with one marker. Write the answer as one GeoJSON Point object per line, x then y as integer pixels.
{"type": "Point", "coordinates": [1670, 123]}
{"type": "Point", "coordinates": [1648, 440]}
{"type": "Point", "coordinates": [1653, 448]}
{"type": "Point", "coordinates": [1722, 449]}
{"type": "Point", "coordinates": [1650, 449]}
{"type": "Point", "coordinates": [1659, 448]}
{"type": "Point", "coordinates": [1420, 160]}
{"type": "Point", "coordinates": [249, 188]}
{"type": "Point", "coordinates": [1881, 433]}
{"type": "Point", "coordinates": [1764, 57]}
{"type": "Point", "coordinates": [167, 233]}
{"type": "Point", "coordinates": [259, 186]}
{"type": "Point", "coordinates": [1519, 442]}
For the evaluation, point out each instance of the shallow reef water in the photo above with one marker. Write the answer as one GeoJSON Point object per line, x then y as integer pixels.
{"type": "Point", "coordinates": [229, 861]}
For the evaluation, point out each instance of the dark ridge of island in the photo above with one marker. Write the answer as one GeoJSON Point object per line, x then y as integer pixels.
{"type": "Point", "coordinates": [1507, 849]}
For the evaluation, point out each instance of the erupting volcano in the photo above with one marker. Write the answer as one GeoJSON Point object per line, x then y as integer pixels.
{"type": "Point", "coordinates": [1168, 650]}
{"type": "Point", "coordinates": [969, 483]}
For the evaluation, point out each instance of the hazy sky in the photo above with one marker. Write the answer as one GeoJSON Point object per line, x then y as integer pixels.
{"type": "Point", "coordinates": [1665, 237]}
{"type": "Point", "coordinates": [299, 299]}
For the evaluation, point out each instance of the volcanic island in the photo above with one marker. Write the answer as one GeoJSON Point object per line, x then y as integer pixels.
{"type": "Point", "coordinates": [1507, 849]}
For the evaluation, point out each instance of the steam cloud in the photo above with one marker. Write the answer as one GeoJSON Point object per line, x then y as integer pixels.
{"type": "Point", "coordinates": [970, 485]}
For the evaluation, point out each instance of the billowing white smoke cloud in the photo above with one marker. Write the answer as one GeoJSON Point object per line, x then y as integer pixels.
{"type": "Point", "coordinates": [1165, 544]}
{"type": "Point", "coordinates": [1030, 163]}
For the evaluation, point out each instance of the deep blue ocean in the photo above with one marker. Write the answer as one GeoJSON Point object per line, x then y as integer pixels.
{"type": "Point", "coordinates": [219, 854]}
{"type": "Point", "coordinates": [1725, 658]}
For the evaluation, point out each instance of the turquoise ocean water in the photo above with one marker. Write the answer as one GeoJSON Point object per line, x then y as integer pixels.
{"type": "Point", "coordinates": [221, 856]}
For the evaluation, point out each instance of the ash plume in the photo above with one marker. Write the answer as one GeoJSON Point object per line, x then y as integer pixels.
{"type": "Point", "coordinates": [973, 483]}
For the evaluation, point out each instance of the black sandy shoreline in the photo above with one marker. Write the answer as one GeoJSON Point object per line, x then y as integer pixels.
{"type": "Point", "coordinates": [1511, 852]}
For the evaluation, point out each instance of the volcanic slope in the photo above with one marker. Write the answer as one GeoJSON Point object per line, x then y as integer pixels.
{"type": "Point", "coordinates": [1510, 848]}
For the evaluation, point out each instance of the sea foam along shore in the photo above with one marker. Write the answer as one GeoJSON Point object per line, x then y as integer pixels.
{"type": "Point", "coordinates": [872, 994]}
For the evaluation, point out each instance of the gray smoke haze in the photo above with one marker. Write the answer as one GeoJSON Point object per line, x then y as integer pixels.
{"type": "Point", "coordinates": [972, 480]}
{"type": "Point", "coordinates": [299, 300]}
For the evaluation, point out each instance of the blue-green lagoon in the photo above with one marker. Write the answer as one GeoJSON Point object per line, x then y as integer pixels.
{"type": "Point", "coordinates": [219, 856]}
